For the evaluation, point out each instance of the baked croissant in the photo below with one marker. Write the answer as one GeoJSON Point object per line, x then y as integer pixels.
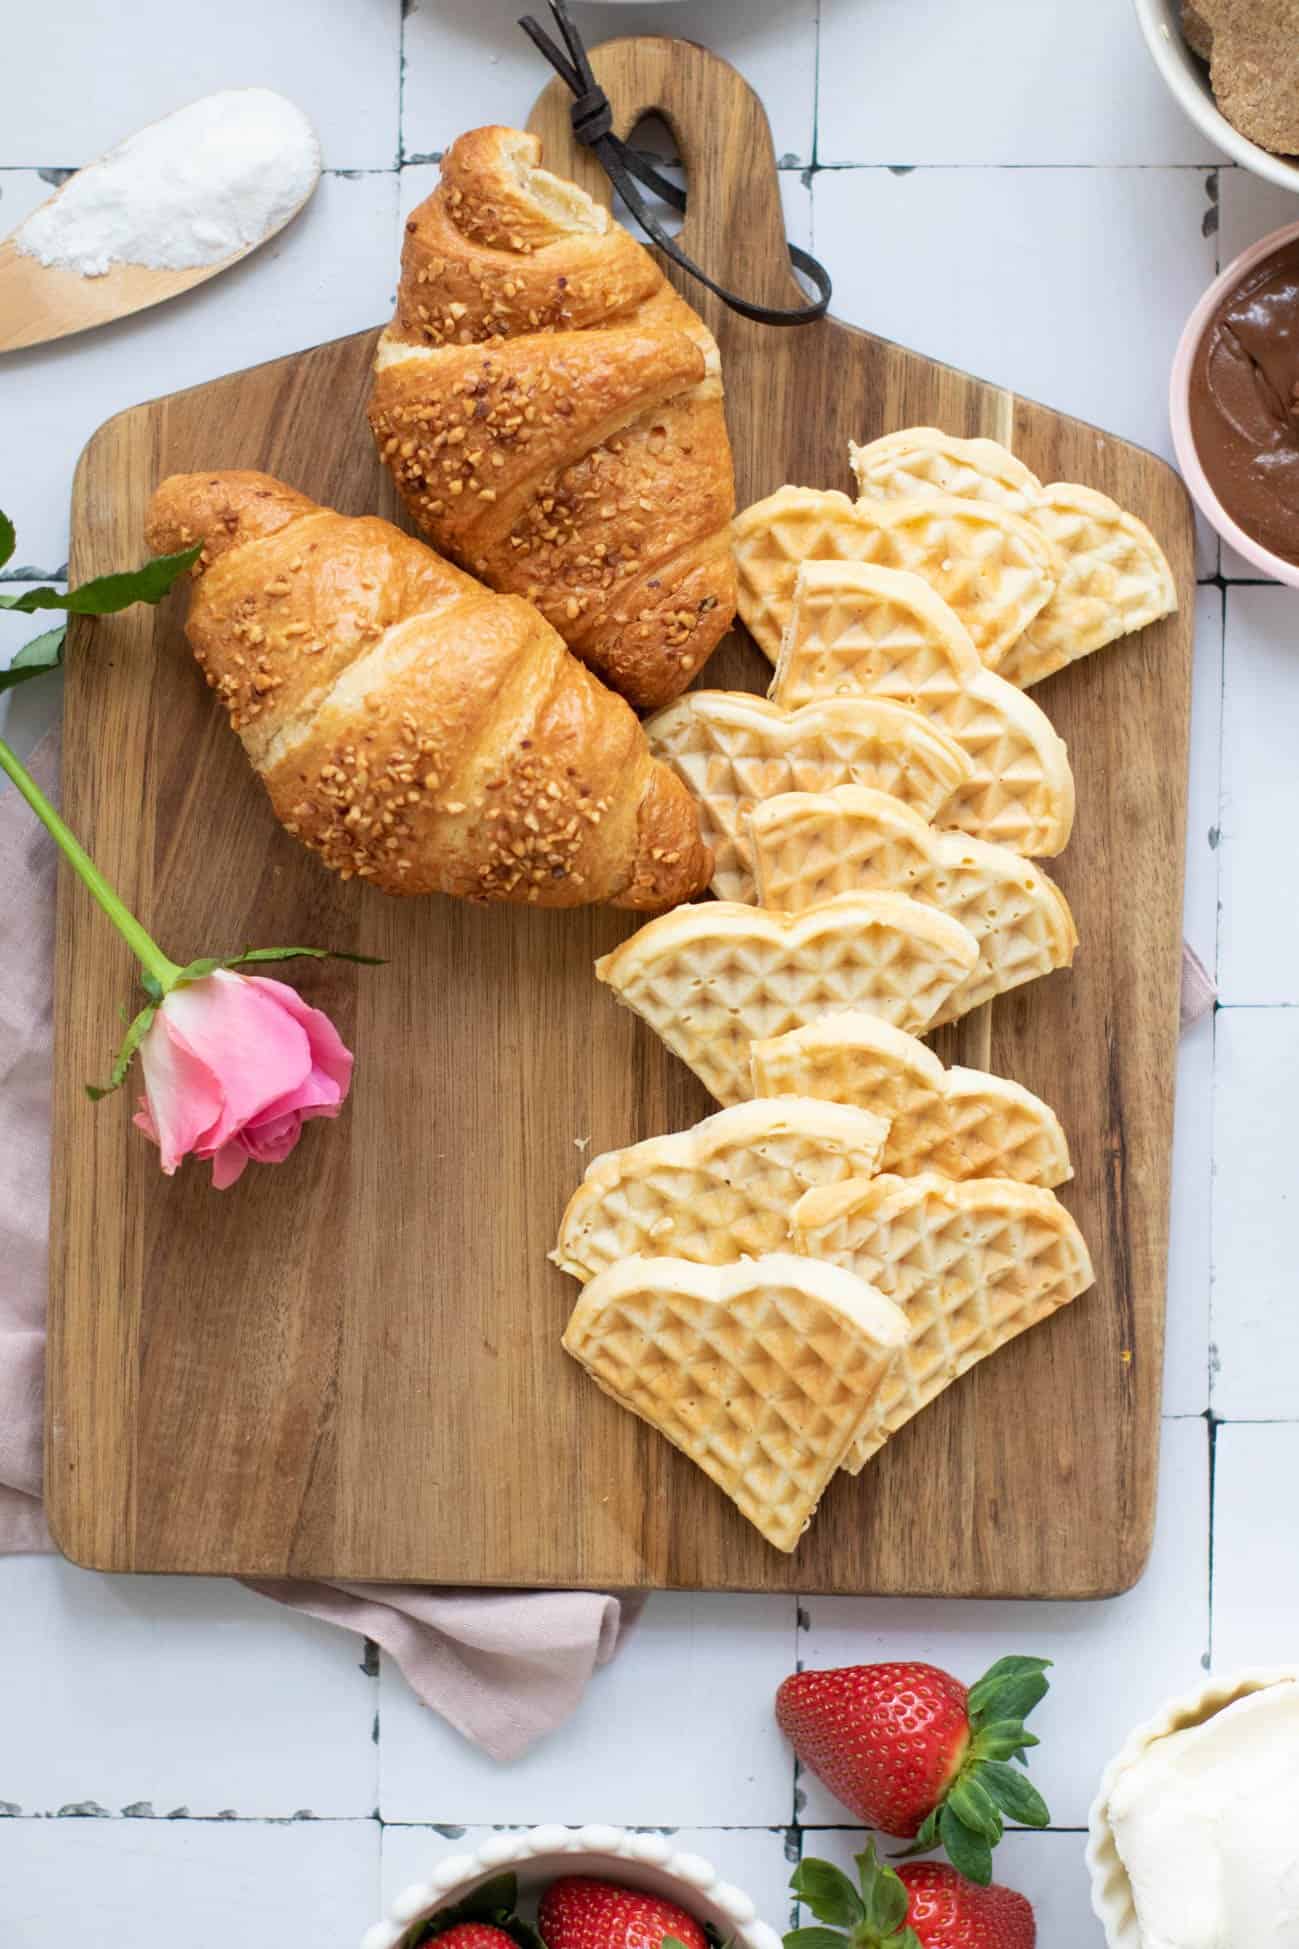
{"type": "Point", "coordinates": [411, 727]}
{"type": "Point", "coordinates": [552, 415]}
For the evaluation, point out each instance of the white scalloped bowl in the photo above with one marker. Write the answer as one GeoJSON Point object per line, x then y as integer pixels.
{"type": "Point", "coordinates": [539, 1856]}
{"type": "Point", "coordinates": [1111, 1890]}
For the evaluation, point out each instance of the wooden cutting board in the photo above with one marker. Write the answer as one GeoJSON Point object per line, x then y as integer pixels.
{"type": "Point", "coordinates": [349, 1366]}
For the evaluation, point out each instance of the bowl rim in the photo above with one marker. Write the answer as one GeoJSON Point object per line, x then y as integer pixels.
{"type": "Point", "coordinates": [616, 1852]}
{"type": "Point", "coordinates": [1111, 1890]}
{"type": "Point", "coordinates": [1173, 59]}
{"type": "Point", "coordinates": [1179, 409]}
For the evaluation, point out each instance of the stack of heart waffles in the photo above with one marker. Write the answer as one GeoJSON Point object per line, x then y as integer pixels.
{"type": "Point", "coordinates": [782, 1288]}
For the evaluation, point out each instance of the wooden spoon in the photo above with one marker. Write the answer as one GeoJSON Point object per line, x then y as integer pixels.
{"type": "Point", "coordinates": [40, 302]}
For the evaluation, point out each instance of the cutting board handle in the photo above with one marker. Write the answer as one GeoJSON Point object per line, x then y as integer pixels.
{"type": "Point", "coordinates": [735, 226]}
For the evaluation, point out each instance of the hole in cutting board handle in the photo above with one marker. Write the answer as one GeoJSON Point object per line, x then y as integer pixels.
{"type": "Point", "coordinates": [653, 138]}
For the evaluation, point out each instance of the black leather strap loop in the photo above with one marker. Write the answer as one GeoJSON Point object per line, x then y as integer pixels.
{"type": "Point", "coordinates": [592, 119]}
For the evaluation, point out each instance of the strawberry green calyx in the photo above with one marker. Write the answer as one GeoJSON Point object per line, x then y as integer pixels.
{"type": "Point", "coordinates": [986, 1789]}
{"type": "Point", "coordinates": [871, 1916]}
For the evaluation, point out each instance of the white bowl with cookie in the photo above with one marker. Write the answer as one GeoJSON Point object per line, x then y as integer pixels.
{"type": "Point", "coordinates": [1233, 77]}
{"type": "Point", "coordinates": [1191, 1836]}
{"type": "Point", "coordinates": [543, 1855]}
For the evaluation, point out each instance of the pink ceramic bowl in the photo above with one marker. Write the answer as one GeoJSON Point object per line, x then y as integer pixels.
{"type": "Point", "coordinates": [1179, 409]}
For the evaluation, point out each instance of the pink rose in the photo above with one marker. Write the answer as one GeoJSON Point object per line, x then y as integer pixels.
{"type": "Point", "coordinates": [233, 1067]}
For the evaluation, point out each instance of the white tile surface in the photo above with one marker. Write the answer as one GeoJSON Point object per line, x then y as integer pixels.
{"type": "Point", "coordinates": [1048, 1868]}
{"type": "Point", "coordinates": [1256, 1562]}
{"type": "Point", "coordinates": [1259, 939]}
{"type": "Point", "coordinates": [752, 1858]}
{"type": "Point", "coordinates": [332, 271]}
{"type": "Point", "coordinates": [1008, 293]}
{"type": "Point", "coordinates": [922, 81]}
{"type": "Point", "coordinates": [476, 52]}
{"type": "Point", "coordinates": [1255, 1324]}
{"type": "Point", "coordinates": [208, 1884]}
{"type": "Point", "coordinates": [696, 1678]}
{"type": "Point", "coordinates": [183, 1692]}
{"type": "Point", "coordinates": [87, 84]}
{"type": "Point", "coordinates": [1113, 1661]}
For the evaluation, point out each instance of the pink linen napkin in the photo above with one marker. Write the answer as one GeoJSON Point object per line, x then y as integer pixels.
{"type": "Point", "coordinates": [503, 1667]}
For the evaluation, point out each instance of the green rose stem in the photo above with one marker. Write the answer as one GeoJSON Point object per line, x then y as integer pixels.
{"type": "Point", "coordinates": [146, 950]}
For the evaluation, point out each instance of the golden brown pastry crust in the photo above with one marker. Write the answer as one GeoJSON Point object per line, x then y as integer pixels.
{"type": "Point", "coordinates": [551, 412]}
{"type": "Point", "coordinates": [411, 727]}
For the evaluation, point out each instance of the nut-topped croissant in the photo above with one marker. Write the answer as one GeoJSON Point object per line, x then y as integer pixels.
{"type": "Point", "coordinates": [411, 727]}
{"type": "Point", "coordinates": [552, 415]}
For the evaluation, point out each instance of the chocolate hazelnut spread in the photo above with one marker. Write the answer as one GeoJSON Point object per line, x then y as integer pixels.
{"type": "Point", "coordinates": [1244, 402]}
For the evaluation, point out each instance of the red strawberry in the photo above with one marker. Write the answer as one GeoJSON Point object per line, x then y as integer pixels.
{"type": "Point", "coordinates": [578, 1913]}
{"type": "Point", "coordinates": [948, 1912]}
{"type": "Point", "coordinates": [473, 1935]}
{"type": "Point", "coordinates": [907, 1749]}
{"type": "Point", "coordinates": [924, 1905]}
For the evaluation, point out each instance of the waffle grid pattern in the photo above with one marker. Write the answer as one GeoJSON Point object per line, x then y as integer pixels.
{"type": "Point", "coordinates": [732, 751]}
{"type": "Point", "coordinates": [848, 639]}
{"type": "Point", "coordinates": [960, 1123]}
{"type": "Point", "coordinates": [810, 847]}
{"type": "Point", "coordinates": [971, 1265]}
{"type": "Point", "coordinates": [764, 1391]}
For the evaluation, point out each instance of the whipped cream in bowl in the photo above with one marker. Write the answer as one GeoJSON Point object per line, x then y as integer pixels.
{"type": "Point", "coordinates": [1194, 1832]}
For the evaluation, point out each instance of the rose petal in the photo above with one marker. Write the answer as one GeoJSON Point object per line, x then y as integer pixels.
{"type": "Point", "coordinates": [184, 1095]}
{"type": "Point", "coordinates": [270, 1139]}
{"type": "Point", "coordinates": [228, 1164]}
{"type": "Point", "coordinates": [256, 1047]}
{"type": "Point", "coordinates": [330, 1056]}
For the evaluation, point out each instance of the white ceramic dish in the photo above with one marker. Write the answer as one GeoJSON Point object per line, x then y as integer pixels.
{"type": "Point", "coordinates": [1188, 80]}
{"type": "Point", "coordinates": [1179, 412]}
{"type": "Point", "coordinates": [1110, 1888]}
{"type": "Point", "coordinates": [636, 1860]}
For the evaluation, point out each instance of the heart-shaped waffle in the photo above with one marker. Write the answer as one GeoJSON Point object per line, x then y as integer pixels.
{"type": "Point", "coordinates": [925, 460]}
{"type": "Point", "coordinates": [971, 1264]}
{"type": "Point", "coordinates": [810, 846]}
{"type": "Point", "coordinates": [992, 566]}
{"type": "Point", "coordinates": [1113, 578]}
{"type": "Point", "coordinates": [712, 978]}
{"type": "Point", "coordinates": [763, 1372]}
{"type": "Point", "coordinates": [856, 629]}
{"type": "Point", "coordinates": [732, 749]}
{"type": "Point", "coordinates": [719, 1192]}
{"type": "Point", "coordinates": [961, 1123]}
{"type": "Point", "coordinates": [1112, 575]}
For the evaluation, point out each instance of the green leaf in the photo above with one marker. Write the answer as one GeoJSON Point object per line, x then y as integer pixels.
{"type": "Point", "coordinates": [968, 1852]}
{"type": "Point", "coordinates": [8, 539]}
{"type": "Point", "coordinates": [134, 1037]}
{"type": "Point", "coordinates": [884, 1894]}
{"type": "Point", "coordinates": [43, 653]}
{"type": "Point", "coordinates": [813, 1939]}
{"type": "Point", "coordinates": [828, 1893]}
{"type": "Point", "coordinates": [974, 1807]}
{"type": "Point", "coordinates": [1015, 1795]}
{"type": "Point", "coordinates": [1010, 1698]}
{"type": "Point", "coordinates": [494, 1902]}
{"type": "Point", "coordinates": [995, 1677]}
{"type": "Point", "coordinates": [316, 954]}
{"type": "Point", "coordinates": [1002, 1739]}
{"type": "Point", "coordinates": [106, 594]}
